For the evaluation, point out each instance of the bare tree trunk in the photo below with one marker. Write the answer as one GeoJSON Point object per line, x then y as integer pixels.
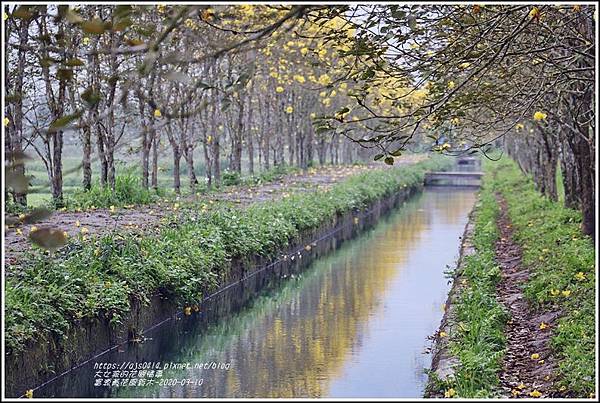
{"type": "Point", "coordinates": [87, 157]}
{"type": "Point", "coordinates": [15, 128]}
{"type": "Point", "coordinates": [155, 145]}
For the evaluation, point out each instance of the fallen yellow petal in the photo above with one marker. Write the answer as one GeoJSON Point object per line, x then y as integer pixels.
{"type": "Point", "coordinates": [535, 393]}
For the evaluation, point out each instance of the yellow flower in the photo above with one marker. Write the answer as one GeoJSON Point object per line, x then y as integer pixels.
{"type": "Point", "coordinates": [274, 74]}
{"type": "Point", "coordinates": [541, 361]}
{"type": "Point", "coordinates": [324, 79]}
{"type": "Point", "coordinates": [112, 209]}
{"type": "Point", "coordinates": [85, 40]}
{"type": "Point", "coordinates": [455, 121]}
{"type": "Point", "coordinates": [175, 206]}
{"type": "Point", "coordinates": [6, 121]}
{"type": "Point", "coordinates": [580, 276]}
{"type": "Point", "coordinates": [515, 392]}
{"type": "Point", "coordinates": [414, 46]}
{"type": "Point", "coordinates": [566, 293]}
{"type": "Point", "coordinates": [187, 311]}
{"type": "Point", "coordinates": [519, 126]}
{"type": "Point", "coordinates": [343, 86]}
{"type": "Point", "coordinates": [539, 115]}
{"type": "Point", "coordinates": [313, 115]}
{"type": "Point", "coordinates": [464, 65]}
{"type": "Point", "coordinates": [554, 292]}
{"type": "Point", "coordinates": [33, 229]}
{"type": "Point", "coordinates": [189, 23]}
{"type": "Point", "coordinates": [97, 252]}
{"type": "Point", "coordinates": [84, 230]}
{"type": "Point", "coordinates": [77, 223]}
{"type": "Point", "coordinates": [29, 394]}
{"type": "Point", "coordinates": [451, 84]}
{"type": "Point", "coordinates": [449, 393]}
{"type": "Point", "coordinates": [521, 386]}
{"type": "Point", "coordinates": [279, 89]}
{"type": "Point", "coordinates": [299, 78]}
{"type": "Point", "coordinates": [443, 334]}
{"type": "Point", "coordinates": [535, 356]}
{"type": "Point", "coordinates": [289, 109]}
{"type": "Point", "coordinates": [543, 326]}
{"type": "Point", "coordinates": [157, 113]}
{"type": "Point", "coordinates": [535, 393]}
{"type": "Point", "coordinates": [19, 232]}
{"type": "Point", "coordinates": [535, 12]}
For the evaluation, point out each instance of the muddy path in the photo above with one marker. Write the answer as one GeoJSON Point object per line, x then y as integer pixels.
{"type": "Point", "coordinates": [148, 217]}
{"type": "Point", "coordinates": [528, 365]}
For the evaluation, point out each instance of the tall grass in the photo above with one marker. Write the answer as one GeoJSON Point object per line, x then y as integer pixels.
{"type": "Point", "coordinates": [128, 191]}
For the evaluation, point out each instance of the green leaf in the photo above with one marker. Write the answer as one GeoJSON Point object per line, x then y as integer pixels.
{"type": "Point", "coordinates": [17, 181]}
{"type": "Point", "coordinates": [64, 74]}
{"type": "Point", "coordinates": [73, 17]}
{"type": "Point", "coordinates": [75, 62]}
{"type": "Point", "coordinates": [37, 215]}
{"type": "Point", "coordinates": [122, 11]}
{"type": "Point", "coordinates": [90, 98]}
{"type": "Point", "coordinates": [16, 157]}
{"type": "Point", "coordinates": [378, 157]}
{"type": "Point", "coordinates": [22, 12]}
{"type": "Point", "coordinates": [95, 26]}
{"type": "Point", "coordinates": [389, 160]}
{"type": "Point", "coordinates": [323, 129]}
{"type": "Point", "coordinates": [122, 24]}
{"type": "Point", "coordinates": [48, 238]}
{"type": "Point", "coordinates": [63, 121]}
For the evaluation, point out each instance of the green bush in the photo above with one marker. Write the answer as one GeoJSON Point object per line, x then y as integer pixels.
{"type": "Point", "coordinates": [128, 190]}
{"type": "Point", "coordinates": [230, 178]}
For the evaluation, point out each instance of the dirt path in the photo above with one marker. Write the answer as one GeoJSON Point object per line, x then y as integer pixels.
{"type": "Point", "coordinates": [100, 221]}
{"type": "Point", "coordinates": [528, 367]}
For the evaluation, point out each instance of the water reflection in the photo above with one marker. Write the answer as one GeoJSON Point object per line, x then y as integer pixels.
{"type": "Point", "coordinates": [353, 324]}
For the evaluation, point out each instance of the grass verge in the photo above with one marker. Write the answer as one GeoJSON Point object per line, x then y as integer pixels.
{"type": "Point", "coordinates": [478, 339]}
{"type": "Point", "coordinates": [562, 277]}
{"type": "Point", "coordinates": [561, 261]}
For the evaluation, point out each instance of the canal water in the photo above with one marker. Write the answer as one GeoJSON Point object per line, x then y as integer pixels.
{"type": "Point", "coordinates": [353, 324]}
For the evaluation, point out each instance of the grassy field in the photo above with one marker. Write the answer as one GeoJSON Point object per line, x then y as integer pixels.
{"type": "Point", "coordinates": [40, 194]}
